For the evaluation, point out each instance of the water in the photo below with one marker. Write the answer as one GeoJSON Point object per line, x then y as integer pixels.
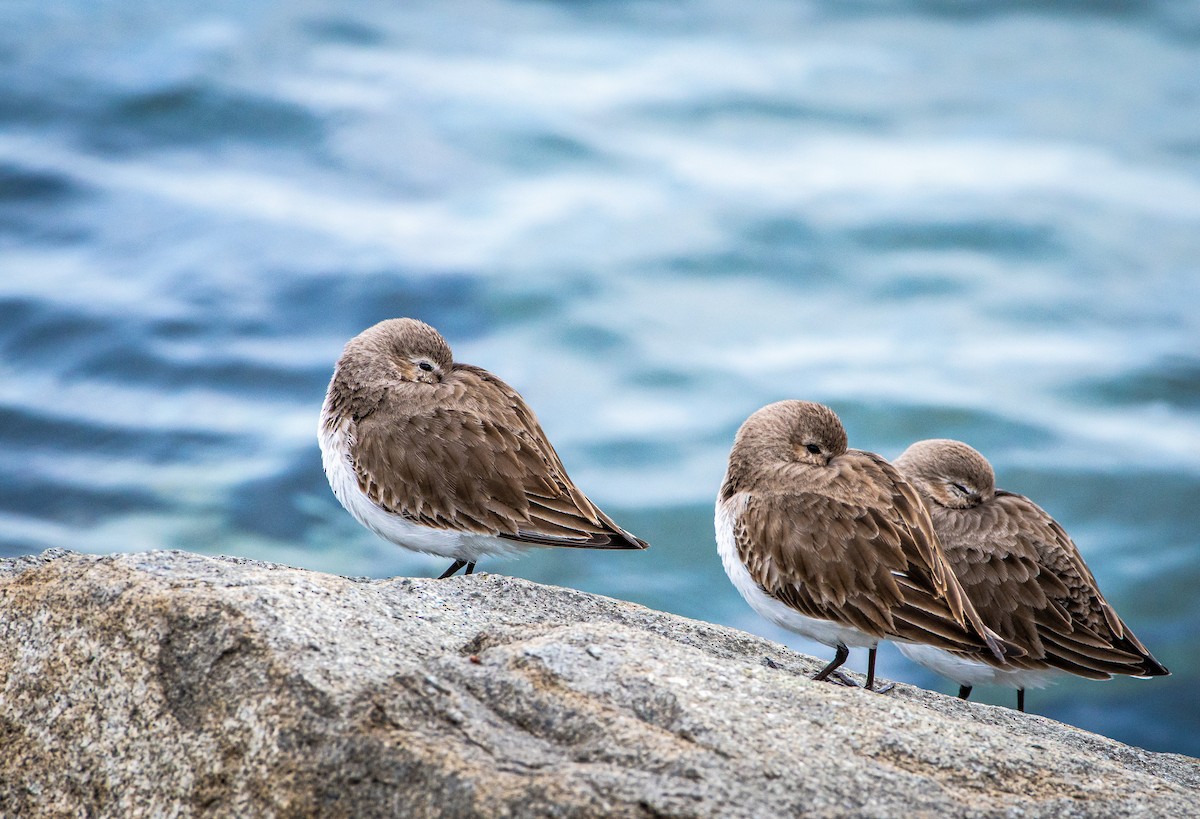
{"type": "Point", "coordinates": [651, 218]}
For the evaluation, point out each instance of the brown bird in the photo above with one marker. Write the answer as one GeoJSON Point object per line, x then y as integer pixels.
{"type": "Point", "coordinates": [833, 544]}
{"type": "Point", "coordinates": [445, 458]}
{"type": "Point", "coordinates": [1023, 574]}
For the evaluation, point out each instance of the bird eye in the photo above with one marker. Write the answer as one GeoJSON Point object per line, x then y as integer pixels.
{"type": "Point", "coordinates": [813, 448]}
{"type": "Point", "coordinates": [426, 366]}
{"type": "Point", "coordinates": [961, 489]}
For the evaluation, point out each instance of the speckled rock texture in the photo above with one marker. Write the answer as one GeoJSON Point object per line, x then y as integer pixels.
{"type": "Point", "coordinates": [170, 684]}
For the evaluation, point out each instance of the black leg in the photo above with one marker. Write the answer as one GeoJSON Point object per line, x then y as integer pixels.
{"type": "Point", "coordinates": [470, 568]}
{"type": "Point", "coordinates": [1021, 700]}
{"type": "Point", "coordinates": [458, 564]}
{"type": "Point", "coordinates": [964, 691]}
{"type": "Point", "coordinates": [870, 686]}
{"type": "Point", "coordinates": [839, 657]}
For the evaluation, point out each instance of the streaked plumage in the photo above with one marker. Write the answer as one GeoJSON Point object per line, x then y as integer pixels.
{"type": "Point", "coordinates": [1024, 575]}
{"type": "Point", "coordinates": [445, 458]}
{"type": "Point", "coordinates": [832, 543]}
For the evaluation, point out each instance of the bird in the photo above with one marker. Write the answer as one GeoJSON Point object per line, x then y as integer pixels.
{"type": "Point", "coordinates": [833, 544]}
{"type": "Point", "coordinates": [445, 458]}
{"type": "Point", "coordinates": [1024, 575]}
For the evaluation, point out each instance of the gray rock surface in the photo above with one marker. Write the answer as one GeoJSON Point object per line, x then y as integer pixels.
{"type": "Point", "coordinates": [171, 684]}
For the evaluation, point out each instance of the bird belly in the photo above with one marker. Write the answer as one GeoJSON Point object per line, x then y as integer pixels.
{"type": "Point", "coordinates": [966, 671]}
{"type": "Point", "coordinates": [823, 631]}
{"type": "Point", "coordinates": [469, 546]}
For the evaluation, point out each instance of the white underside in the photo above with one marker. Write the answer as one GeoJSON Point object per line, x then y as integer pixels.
{"type": "Point", "coordinates": [779, 613]}
{"type": "Point", "coordinates": [335, 457]}
{"type": "Point", "coordinates": [969, 672]}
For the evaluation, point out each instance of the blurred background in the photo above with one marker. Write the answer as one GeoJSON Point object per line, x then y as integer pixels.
{"type": "Point", "coordinates": [651, 218]}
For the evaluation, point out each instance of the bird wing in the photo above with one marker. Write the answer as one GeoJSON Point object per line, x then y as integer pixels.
{"type": "Point", "coordinates": [468, 455]}
{"type": "Point", "coordinates": [1078, 629]}
{"type": "Point", "coordinates": [999, 568]}
{"type": "Point", "coordinates": [821, 557]}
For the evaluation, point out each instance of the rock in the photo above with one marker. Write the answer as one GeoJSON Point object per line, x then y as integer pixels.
{"type": "Point", "coordinates": [171, 684]}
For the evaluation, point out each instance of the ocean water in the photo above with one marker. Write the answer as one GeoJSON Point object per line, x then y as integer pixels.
{"type": "Point", "coordinates": [943, 219]}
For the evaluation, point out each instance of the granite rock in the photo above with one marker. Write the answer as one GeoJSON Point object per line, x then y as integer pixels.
{"type": "Point", "coordinates": [172, 684]}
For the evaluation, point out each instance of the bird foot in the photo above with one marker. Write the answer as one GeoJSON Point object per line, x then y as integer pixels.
{"type": "Point", "coordinates": [841, 679]}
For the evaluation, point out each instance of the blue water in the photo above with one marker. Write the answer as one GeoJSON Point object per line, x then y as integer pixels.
{"type": "Point", "coordinates": [651, 218]}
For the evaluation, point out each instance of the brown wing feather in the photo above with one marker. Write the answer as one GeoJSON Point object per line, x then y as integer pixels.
{"type": "Point", "coordinates": [1028, 581]}
{"type": "Point", "coordinates": [469, 455]}
{"type": "Point", "coordinates": [808, 551]}
{"type": "Point", "coordinates": [1001, 575]}
{"type": "Point", "coordinates": [1095, 631]}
